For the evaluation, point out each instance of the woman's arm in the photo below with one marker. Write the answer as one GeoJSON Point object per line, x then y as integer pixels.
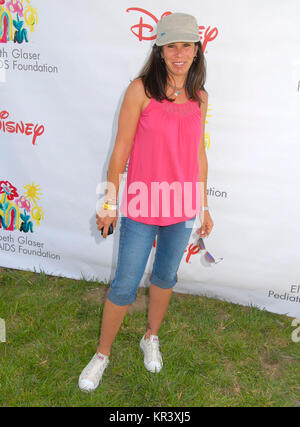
{"type": "Point", "coordinates": [127, 124]}
{"type": "Point", "coordinates": [206, 221]}
{"type": "Point", "coordinates": [128, 120]}
{"type": "Point", "coordinates": [203, 166]}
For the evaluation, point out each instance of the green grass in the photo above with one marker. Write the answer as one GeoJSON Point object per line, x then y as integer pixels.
{"type": "Point", "coordinates": [215, 353]}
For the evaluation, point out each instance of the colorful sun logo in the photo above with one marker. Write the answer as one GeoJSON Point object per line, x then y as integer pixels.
{"type": "Point", "coordinates": [20, 212]}
{"type": "Point", "coordinates": [14, 15]}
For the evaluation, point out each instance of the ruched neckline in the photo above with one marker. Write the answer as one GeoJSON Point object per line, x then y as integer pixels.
{"type": "Point", "coordinates": [183, 109]}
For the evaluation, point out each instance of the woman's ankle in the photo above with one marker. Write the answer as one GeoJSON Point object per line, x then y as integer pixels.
{"type": "Point", "coordinates": [148, 333]}
{"type": "Point", "coordinates": [103, 351]}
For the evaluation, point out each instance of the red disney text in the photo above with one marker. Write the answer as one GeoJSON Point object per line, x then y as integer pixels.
{"type": "Point", "coordinates": [207, 34]}
{"type": "Point", "coordinates": [23, 128]}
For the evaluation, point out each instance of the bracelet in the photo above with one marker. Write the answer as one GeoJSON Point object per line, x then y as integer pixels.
{"type": "Point", "coordinates": [205, 208]}
{"type": "Point", "coordinates": [107, 206]}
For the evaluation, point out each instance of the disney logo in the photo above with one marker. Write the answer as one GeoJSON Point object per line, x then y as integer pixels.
{"type": "Point", "coordinates": [206, 34]}
{"type": "Point", "coordinates": [22, 128]}
{"type": "Point", "coordinates": [192, 250]}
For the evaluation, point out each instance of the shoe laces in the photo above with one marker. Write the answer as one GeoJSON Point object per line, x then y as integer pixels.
{"type": "Point", "coordinates": [96, 366]}
{"type": "Point", "coordinates": [153, 349]}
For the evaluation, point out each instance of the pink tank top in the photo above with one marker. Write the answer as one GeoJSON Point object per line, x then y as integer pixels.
{"type": "Point", "coordinates": [162, 184]}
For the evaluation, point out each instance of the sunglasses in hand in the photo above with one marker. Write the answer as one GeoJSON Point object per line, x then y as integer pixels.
{"type": "Point", "coordinates": [207, 256]}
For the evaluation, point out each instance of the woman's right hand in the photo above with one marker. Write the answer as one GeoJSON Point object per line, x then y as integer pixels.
{"type": "Point", "coordinates": [105, 217]}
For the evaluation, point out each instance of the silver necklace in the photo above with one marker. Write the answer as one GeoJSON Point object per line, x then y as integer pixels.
{"type": "Point", "coordinates": [177, 90]}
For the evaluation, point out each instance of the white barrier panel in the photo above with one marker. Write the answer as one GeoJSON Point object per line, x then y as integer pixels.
{"type": "Point", "coordinates": [64, 67]}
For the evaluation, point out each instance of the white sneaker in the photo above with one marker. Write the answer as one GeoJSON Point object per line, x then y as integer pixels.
{"type": "Point", "coordinates": [92, 374]}
{"type": "Point", "coordinates": [152, 356]}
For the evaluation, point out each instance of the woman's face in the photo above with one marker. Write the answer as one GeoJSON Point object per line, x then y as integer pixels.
{"type": "Point", "coordinates": [179, 57]}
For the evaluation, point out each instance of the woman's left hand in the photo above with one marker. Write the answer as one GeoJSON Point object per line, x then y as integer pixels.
{"type": "Point", "coordinates": [207, 224]}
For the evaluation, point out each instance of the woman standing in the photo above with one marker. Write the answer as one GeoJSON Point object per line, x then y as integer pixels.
{"type": "Point", "coordinates": [161, 128]}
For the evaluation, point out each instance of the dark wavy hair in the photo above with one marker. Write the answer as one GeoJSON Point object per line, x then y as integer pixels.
{"type": "Point", "coordinates": [154, 75]}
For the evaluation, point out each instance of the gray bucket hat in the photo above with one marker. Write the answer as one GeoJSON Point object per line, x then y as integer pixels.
{"type": "Point", "coordinates": [177, 27]}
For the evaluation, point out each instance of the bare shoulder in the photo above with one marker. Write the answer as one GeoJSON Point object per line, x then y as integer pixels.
{"type": "Point", "coordinates": [135, 93]}
{"type": "Point", "coordinates": [136, 89]}
{"type": "Point", "coordinates": [204, 102]}
{"type": "Point", "coordinates": [203, 97]}
{"type": "Point", "coordinates": [138, 85]}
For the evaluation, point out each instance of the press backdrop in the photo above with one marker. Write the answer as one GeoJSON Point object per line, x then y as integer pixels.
{"type": "Point", "coordinates": [63, 75]}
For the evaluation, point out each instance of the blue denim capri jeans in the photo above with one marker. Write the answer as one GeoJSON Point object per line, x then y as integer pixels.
{"type": "Point", "coordinates": [135, 244]}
